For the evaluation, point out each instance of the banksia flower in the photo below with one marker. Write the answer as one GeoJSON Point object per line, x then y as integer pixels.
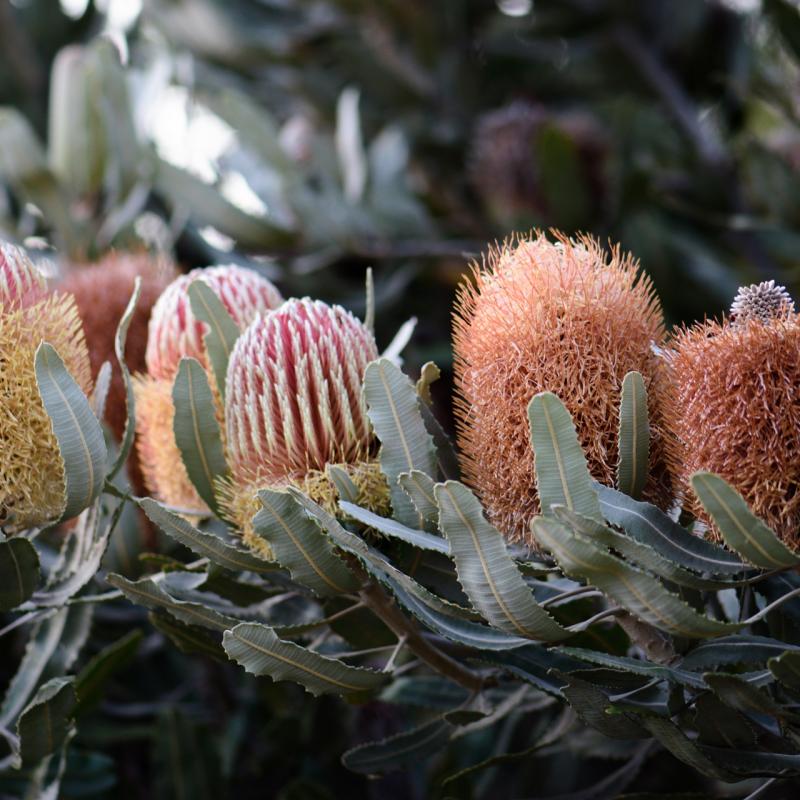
{"type": "Point", "coordinates": [32, 481]}
{"type": "Point", "coordinates": [565, 318]}
{"type": "Point", "coordinates": [293, 405]}
{"type": "Point", "coordinates": [102, 291]}
{"type": "Point", "coordinates": [737, 404]}
{"type": "Point", "coordinates": [175, 333]}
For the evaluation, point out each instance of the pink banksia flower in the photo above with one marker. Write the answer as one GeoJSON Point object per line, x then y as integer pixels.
{"type": "Point", "coordinates": [293, 404]}
{"type": "Point", "coordinates": [175, 333]}
{"type": "Point", "coordinates": [21, 284]}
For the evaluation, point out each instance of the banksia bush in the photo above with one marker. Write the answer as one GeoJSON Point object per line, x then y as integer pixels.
{"type": "Point", "coordinates": [32, 481]}
{"type": "Point", "coordinates": [563, 317]}
{"type": "Point", "coordinates": [737, 404]}
{"type": "Point", "coordinates": [175, 333]}
{"type": "Point", "coordinates": [102, 291]}
{"type": "Point", "coordinates": [293, 405]}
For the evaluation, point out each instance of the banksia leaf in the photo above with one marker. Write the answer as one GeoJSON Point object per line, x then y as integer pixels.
{"type": "Point", "coordinates": [634, 436]}
{"type": "Point", "coordinates": [565, 318]}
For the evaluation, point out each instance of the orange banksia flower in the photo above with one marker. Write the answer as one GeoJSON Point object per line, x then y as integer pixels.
{"type": "Point", "coordinates": [737, 404]}
{"type": "Point", "coordinates": [293, 404]}
{"type": "Point", "coordinates": [32, 481]}
{"type": "Point", "coordinates": [564, 317]}
{"type": "Point", "coordinates": [175, 333]}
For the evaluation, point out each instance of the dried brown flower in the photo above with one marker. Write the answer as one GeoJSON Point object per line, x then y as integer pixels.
{"type": "Point", "coordinates": [564, 317]}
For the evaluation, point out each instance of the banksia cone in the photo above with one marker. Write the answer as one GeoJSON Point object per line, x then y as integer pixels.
{"type": "Point", "coordinates": [32, 481]}
{"type": "Point", "coordinates": [102, 291]}
{"type": "Point", "coordinates": [293, 404]}
{"type": "Point", "coordinates": [565, 318]}
{"type": "Point", "coordinates": [737, 404]}
{"type": "Point", "coordinates": [175, 333]}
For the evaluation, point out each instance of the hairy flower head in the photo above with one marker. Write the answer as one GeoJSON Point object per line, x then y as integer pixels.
{"type": "Point", "coordinates": [737, 409]}
{"type": "Point", "coordinates": [175, 333]}
{"type": "Point", "coordinates": [563, 317]}
{"type": "Point", "coordinates": [32, 481]}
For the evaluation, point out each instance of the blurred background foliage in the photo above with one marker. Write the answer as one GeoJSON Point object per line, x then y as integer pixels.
{"type": "Point", "coordinates": [313, 139]}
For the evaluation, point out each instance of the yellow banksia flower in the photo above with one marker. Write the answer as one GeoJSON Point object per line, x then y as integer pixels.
{"type": "Point", "coordinates": [293, 405]}
{"type": "Point", "coordinates": [32, 481]}
{"type": "Point", "coordinates": [563, 317]}
{"type": "Point", "coordinates": [175, 333]}
{"type": "Point", "coordinates": [737, 405]}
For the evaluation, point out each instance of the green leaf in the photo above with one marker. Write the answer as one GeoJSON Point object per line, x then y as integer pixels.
{"type": "Point", "coordinates": [300, 546]}
{"type": "Point", "coordinates": [634, 436]}
{"type": "Point", "coordinates": [641, 594]}
{"type": "Point", "coordinates": [208, 545]}
{"type": "Point", "coordinates": [258, 649]}
{"type": "Point", "coordinates": [79, 435]}
{"type": "Point", "coordinates": [188, 639]}
{"type": "Point", "coordinates": [592, 705]}
{"type": "Point", "coordinates": [47, 721]}
{"type": "Point", "coordinates": [120, 339]}
{"type": "Point", "coordinates": [786, 668]}
{"type": "Point", "coordinates": [732, 765]}
{"type": "Point", "coordinates": [400, 750]}
{"type": "Point", "coordinates": [197, 432]}
{"type": "Point", "coordinates": [222, 331]}
{"type": "Point", "coordinates": [419, 487]}
{"type": "Point", "coordinates": [425, 691]}
{"type": "Point", "coordinates": [562, 476]}
{"type": "Point", "coordinates": [718, 724]}
{"type": "Point", "coordinates": [742, 696]}
{"type": "Point", "coordinates": [742, 530]}
{"type": "Point", "coordinates": [345, 487]}
{"type": "Point", "coordinates": [534, 664]}
{"type": "Point", "coordinates": [91, 680]}
{"type": "Point", "coordinates": [19, 572]}
{"type": "Point", "coordinates": [651, 526]}
{"type": "Point", "coordinates": [734, 651]}
{"type": "Point", "coordinates": [389, 527]}
{"type": "Point", "coordinates": [486, 571]}
{"type": "Point", "coordinates": [394, 411]}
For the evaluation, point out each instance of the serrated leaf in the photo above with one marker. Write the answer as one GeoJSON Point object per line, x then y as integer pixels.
{"type": "Point", "coordinates": [300, 546]}
{"type": "Point", "coordinates": [45, 723]}
{"type": "Point", "coordinates": [786, 668]}
{"type": "Point", "coordinates": [419, 487]}
{"type": "Point", "coordinates": [19, 572]}
{"type": "Point", "coordinates": [486, 571]}
{"type": "Point", "coordinates": [91, 680]}
{"type": "Point", "coordinates": [188, 639]}
{"type": "Point", "coordinates": [742, 530]}
{"type": "Point", "coordinates": [120, 339]}
{"type": "Point", "coordinates": [719, 725]}
{"type": "Point", "coordinates": [562, 476]}
{"type": "Point", "coordinates": [425, 691]}
{"type": "Point", "coordinates": [197, 432]}
{"type": "Point", "coordinates": [222, 331]}
{"type": "Point", "coordinates": [393, 407]}
{"type": "Point", "coordinates": [395, 752]}
{"type": "Point", "coordinates": [651, 526]}
{"type": "Point", "coordinates": [733, 765]}
{"type": "Point", "coordinates": [742, 696]}
{"type": "Point", "coordinates": [258, 649]}
{"type": "Point", "coordinates": [389, 527]}
{"type": "Point", "coordinates": [734, 651]}
{"type": "Point", "coordinates": [79, 435]}
{"type": "Point", "coordinates": [634, 436]}
{"type": "Point", "coordinates": [592, 705]}
{"type": "Point", "coordinates": [534, 664]}
{"type": "Point", "coordinates": [636, 591]}
{"type": "Point", "coordinates": [208, 545]}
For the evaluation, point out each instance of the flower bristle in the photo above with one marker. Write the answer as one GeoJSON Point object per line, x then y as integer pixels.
{"type": "Point", "coordinates": [564, 317]}
{"type": "Point", "coordinates": [737, 413]}
{"type": "Point", "coordinates": [21, 283]}
{"type": "Point", "coordinates": [102, 291]}
{"type": "Point", "coordinates": [32, 481]}
{"type": "Point", "coordinates": [293, 392]}
{"type": "Point", "coordinates": [174, 333]}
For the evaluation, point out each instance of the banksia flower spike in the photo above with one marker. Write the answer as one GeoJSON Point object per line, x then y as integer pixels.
{"type": "Point", "coordinates": [32, 481]}
{"type": "Point", "coordinates": [737, 404]}
{"type": "Point", "coordinates": [563, 317]}
{"type": "Point", "coordinates": [293, 405]}
{"type": "Point", "coordinates": [175, 333]}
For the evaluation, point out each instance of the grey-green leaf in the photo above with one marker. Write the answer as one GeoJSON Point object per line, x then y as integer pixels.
{"type": "Point", "coordinates": [634, 436]}
{"type": "Point", "coordinates": [486, 571]}
{"type": "Point", "coordinates": [301, 546]}
{"type": "Point", "coordinates": [222, 331]}
{"type": "Point", "coordinates": [46, 722]}
{"type": "Point", "coordinates": [259, 650]}
{"type": "Point", "coordinates": [197, 432]}
{"type": "Point", "coordinates": [406, 445]}
{"type": "Point", "coordinates": [562, 475]}
{"type": "Point", "coordinates": [19, 572]}
{"type": "Point", "coordinates": [92, 678]}
{"type": "Point", "coordinates": [786, 668]}
{"type": "Point", "coordinates": [79, 435]}
{"type": "Point", "coordinates": [419, 487]}
{"type": "Point", "coordinates": [742, 530]}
